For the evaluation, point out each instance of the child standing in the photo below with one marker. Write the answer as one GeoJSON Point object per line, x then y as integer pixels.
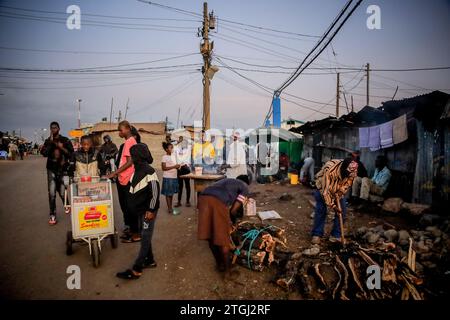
{"type": "Point", "coordinates": [143, 203]}
{"type": "Point", "coordinates": [170, 179]}
{"type": "Point", "coordinates": [88, 161]}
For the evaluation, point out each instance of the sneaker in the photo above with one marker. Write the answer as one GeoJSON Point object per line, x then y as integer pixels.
{"type": "Point", "coordinates": [52, 220]}
{"type": "Point", "coordinates": [334, 239]}
{"type": "Point", "coordinates": [315, 240]}
{"type": "Point", "coordinates": [149, 264]}
{"type": "Point", "coordinates": [67, 209]}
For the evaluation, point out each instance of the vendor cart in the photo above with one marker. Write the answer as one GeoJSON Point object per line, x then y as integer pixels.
{"type": "Point", "coordinates": [92, 215]}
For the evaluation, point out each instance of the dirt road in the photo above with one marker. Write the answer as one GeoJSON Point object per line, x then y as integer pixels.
{"type": "Point", "coordinates": [33, 262]}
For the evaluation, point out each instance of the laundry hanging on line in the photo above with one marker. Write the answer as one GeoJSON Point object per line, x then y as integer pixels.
{"type": "Point", "coordinates": [384, 135]}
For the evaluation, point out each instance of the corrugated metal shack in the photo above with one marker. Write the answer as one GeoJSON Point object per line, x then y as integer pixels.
{"type": "Point", "coordinates": [420, 165]}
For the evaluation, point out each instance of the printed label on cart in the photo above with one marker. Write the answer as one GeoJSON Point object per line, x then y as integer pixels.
{"type": "Point", "coordinates": [95, 217]}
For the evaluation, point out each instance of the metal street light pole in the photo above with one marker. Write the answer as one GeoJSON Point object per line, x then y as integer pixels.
{"type": "Point", "coordinates": [79, 113]}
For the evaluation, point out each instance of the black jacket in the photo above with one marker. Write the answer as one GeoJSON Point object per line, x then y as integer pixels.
{"type": "Point", "coordinates": [48, 150]}
{"type": "Point", "coordinates": [144, 196]}
{"type": "Point", "coordinates": [88, 157]}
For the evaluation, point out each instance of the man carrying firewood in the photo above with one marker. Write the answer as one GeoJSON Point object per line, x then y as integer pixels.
{"type": "Point", "coordinates": [332, 182]}
{"type": "Point", "coordinates": [218, 206]}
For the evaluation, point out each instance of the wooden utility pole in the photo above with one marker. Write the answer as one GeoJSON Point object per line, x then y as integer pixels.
{"type": "Point", "coordinates": [178, 118]}
{"type": "Point", "coordinates": [206, 49]}
{"type": "Point", "coordinates": [337, 95]}
{"type": "Point", "coordinates": [353, 110]}
{"type": "Point", "coordinates": [111, 111]}
{"type": "Point", "coordinates": [126, 109]}
{"type": "Point", "coordinates": [367, 83]}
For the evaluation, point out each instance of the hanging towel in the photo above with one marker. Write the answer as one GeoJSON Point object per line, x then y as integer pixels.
{"type": "Point", "coordinates": [374, 138]}
{"type": "Point", "coordinates": [386, 140]}
{"type": "Point", "coordinates": [399, 129]}
{"type": "Point", "coordinates": [364, 137]}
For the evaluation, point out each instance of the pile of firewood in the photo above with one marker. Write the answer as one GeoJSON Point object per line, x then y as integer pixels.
{"type": "Point", "coordinates": [341, 274]}
{"type": "Point", "coordinates": [255, 244]}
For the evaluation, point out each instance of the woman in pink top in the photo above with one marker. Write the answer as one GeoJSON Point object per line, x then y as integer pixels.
{"type": "Point", "coordinates": [124, 174]}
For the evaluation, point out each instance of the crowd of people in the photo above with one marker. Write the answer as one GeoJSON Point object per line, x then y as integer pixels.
{"type": "Point", "coordinates": [219, 205]}
{"type": "Point", "coordinates": [13, 149]}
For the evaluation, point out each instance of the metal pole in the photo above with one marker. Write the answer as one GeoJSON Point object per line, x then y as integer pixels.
{"type": "Point", "coordinates": [337, 96]}
{"type": "Point", "coordinates": [111, 112]}
{"type": "Point", "coordinates": [79, 113]}
{"type": "Point", "coordinates": [367, 83]}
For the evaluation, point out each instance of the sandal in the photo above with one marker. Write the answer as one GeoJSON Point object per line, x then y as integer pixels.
{"type": "Point", "coordinates": [130, 239]}
{"type": "Point", "coordinates": [128, 275]}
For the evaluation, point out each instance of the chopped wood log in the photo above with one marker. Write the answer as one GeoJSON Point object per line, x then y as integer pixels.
{"type": "Point", "coordinates": [389, 267]}
{"type": "Point", "coordinates": [412, 290]}
{"type": "Point", "coordinates": [366, 258]}
{"type": "Point", "coordinates": [343, 295]}
{"type": "Point", "coordinates": [256, 259]}
{"type": "Point", "coordinates": [288, 277]}
{"type": "Point", "coordinates": [338, 283]}
{"type": "Point", "coordinates": [319, 276]}
{"type": "Point", "coordinates": [352, 266]}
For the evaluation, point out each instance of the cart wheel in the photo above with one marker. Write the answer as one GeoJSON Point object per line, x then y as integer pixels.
{"type": "Point", "coordinates": [69, 242]}
{"type": "Point", "coordinates": [115, 239]}
{"type": "Point", "coordinates": [95, 253]}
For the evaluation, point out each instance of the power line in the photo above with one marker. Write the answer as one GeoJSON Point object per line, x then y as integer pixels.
{"type": "Point", "coordinates": [301, 68]}
{"type": "Point", "coordinates": [278, 36]}
{"type": "Point", "coordinates": [90, 52]}
{"type": "Point", "coordinates": [186, 12]}
{"type": "Point", "coordinates": [271, 29]}
{"type": "Point", "coordinates": [303, 65]}
{"type": "Point", "coordinates": [269, 90]}
{"type": "Point", "coordinates": [95, 24]}
{"type": "Point", "coordinates": [93, 70]}
{"type": "Point", "coordinates": [280, 72]}
{"type": "Point", "coordinates": [91, 86]}
{"type": "Point", "coordinates": [253, 46]}
{"type": "Point", "coordinates": [170, 95]}
{"type": "Point", "coordinates": [100, 15]}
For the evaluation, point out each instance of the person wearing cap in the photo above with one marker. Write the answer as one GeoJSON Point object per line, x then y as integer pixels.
{"type": "Point", "coordinates": [236, 158]}
{"type": "Point", "coordinates": [108, 151]}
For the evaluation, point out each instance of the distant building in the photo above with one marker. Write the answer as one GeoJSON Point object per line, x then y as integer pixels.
{"type": "Point", "coordinates": [152, 134]}
{"type": "Point", "coordinates": [291, 123]}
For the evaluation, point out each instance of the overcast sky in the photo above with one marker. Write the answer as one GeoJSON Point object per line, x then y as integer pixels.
{"type": "Point", "coordinates": [413, 34]}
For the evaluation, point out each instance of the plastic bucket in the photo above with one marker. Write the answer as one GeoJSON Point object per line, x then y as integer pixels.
{"type": "Point", "coordinates": [294, 178]}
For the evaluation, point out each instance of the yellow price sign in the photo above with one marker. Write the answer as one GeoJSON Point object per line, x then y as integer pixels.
{"type": "Point", "coordinates": [93, 217]}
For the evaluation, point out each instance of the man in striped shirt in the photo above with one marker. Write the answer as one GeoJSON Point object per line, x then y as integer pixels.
{"type": "Point", "coordinates": [332, 182]}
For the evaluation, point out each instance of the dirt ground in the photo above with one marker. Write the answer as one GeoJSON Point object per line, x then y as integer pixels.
{"type": "Point", "coordinates": [33, 262]}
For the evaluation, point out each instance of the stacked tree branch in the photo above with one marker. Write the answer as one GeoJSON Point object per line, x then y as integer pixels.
{"type": "Point", "coordinates": [343, 274]}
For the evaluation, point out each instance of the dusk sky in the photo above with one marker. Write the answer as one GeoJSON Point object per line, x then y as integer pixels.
{"type": "Point", "coordinates": [414, 34]}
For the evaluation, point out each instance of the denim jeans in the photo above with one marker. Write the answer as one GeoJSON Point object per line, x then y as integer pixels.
{"type": "Point", "coordinates": [122, 192]}
{"type": "Point", "coordinates": [320, 216]}
{"type": "Point", "coordinates": [145, 252]}
{"type": "Point", "coordinates": [56, 184]}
